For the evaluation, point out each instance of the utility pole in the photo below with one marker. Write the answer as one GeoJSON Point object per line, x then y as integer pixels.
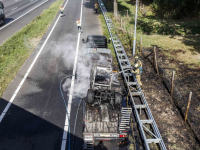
{"type": "Point", "coordinates": [115, 8]}
{"type": "Point", "coordinates": [134, 39]}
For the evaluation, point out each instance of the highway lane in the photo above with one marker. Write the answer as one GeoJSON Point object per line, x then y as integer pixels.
{"type": "Point", "coordinates": [90, 26]}
{"type": "Point", "coordinates": [15, 9]}
{"type": "Point", "coordinates": [36, 118]}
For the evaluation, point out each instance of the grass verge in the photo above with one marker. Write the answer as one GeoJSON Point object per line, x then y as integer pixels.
{"type": "Point", "coordinates": [17, 49]}
{"type": "Point", "coordinates": [170, 35]}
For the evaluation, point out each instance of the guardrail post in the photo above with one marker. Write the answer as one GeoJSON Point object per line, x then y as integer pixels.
{"type": "Point", "coordinates": [156, 60]}
{"type": "Point", "coordinates": [153, 57]}
{"type": "Point", "coordinates": [190, 96]}
{"type": "Point", "coordinates": [172, 83]}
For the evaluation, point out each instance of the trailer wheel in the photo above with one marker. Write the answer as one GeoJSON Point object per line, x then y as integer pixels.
{"type": "Point", "coordinates": [90, 96]}
{"type": "Point", "coordinates": [118, 98]}
{"type": "Point", "coordinates": [1, 21]}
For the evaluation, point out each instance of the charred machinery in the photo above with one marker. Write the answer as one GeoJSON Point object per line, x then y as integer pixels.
{"type": "Point", "coordinates": [104, 118]}
{"type": "Point", "coordinates": [104, 87]}
{"type": "Point", "coordinates": [96, 51]}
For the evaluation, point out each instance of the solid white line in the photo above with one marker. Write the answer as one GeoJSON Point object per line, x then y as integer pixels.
{"type": "Point", "coordinates": [64, 142]}
{"type": "Point", "coordinates": [27, 73]}
{"type": "Point", "coordinates": [67, 123]}
{"type": "Point", "coordinates": [23, 15]}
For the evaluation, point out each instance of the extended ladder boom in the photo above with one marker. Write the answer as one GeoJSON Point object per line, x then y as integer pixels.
{"type": "Point", "coordinates": [132, 84]}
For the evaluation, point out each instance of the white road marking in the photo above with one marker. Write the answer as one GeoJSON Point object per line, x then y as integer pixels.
{"type": "Point", "coordinates": [67, 123]}
{"type": "Point", "coordinates": [27, 73]}
{"type": "Point", "coordinates": [14, 8]}
{"type": "Point", "coordinates": [23, 15]}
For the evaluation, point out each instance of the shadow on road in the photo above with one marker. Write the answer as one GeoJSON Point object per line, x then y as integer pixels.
{"type": "Point", "coordinates": [8, 20]}
{"type": "Point", "coordinates": [21, 129]}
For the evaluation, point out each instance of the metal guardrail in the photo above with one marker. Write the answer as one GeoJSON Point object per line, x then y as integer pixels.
{"type": "Point", "coordinates": [132, 84]}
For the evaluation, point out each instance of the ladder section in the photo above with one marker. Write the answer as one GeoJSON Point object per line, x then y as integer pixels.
{"type": "Point", "coordinates": [125, 119]}
{"type": "Point", "coordinates": [148, 128]}
{"type": "Point", "coordinates": [88, 142]}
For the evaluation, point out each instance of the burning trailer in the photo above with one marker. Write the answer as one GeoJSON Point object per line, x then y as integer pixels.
{"type": "Point", "coordinates": [103, 115]}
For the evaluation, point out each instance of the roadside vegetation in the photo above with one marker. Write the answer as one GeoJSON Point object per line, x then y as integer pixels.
{"type": "Point", "coordinates": [15, 51]}
{"type": "Point", "coordinates": [177, 39]}
{"type": "Point", "coordinates": [165, 32]}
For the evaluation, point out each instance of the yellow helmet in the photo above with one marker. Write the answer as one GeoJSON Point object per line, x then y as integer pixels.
{"type": "Point", "coordinates": [136, 59]}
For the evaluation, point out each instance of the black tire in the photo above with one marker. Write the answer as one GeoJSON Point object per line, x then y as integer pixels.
{"type": "Point", "coordinates": [90, 96]}
{"type": "Point", "coordinates": [118, 99]}
{"type": "Point", "coordinates": [1, 21]}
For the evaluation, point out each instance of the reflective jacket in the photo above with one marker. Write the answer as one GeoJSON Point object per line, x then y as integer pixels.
{"type": "Point", "coordinates": [96, 6]}
{"type": "Point", "coordinates": [61, 9]}
{"type": "Point", "coordinates": [138, 68]}
{"type": "Point", "coordinates": [78, 23]}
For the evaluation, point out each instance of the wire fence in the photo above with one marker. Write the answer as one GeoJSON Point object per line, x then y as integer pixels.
{"type": "Point", "coordinates": [180, 94]}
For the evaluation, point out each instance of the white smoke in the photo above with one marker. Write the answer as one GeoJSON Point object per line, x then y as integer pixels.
{"type": "Point", "coordinates": [67, 52]}
{"type": "Point", "coordinates": [82, 83]}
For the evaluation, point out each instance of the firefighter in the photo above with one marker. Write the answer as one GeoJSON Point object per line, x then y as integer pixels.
{"type": "Point", "coordinates": [137, 69]}
{"type": "Point", "coordinates": [96, 6]}
{"type": "Point", "coordinates": [78, 22]}
{"type": "Point", "coordinates": [61, 11]}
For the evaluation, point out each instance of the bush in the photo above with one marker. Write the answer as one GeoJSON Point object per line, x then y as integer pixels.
{"type": "Point", "coordinates": [176, 9]}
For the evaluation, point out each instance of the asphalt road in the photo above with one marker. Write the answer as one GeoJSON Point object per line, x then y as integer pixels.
{"type": "Point", "coordinates": [14, 9]}
{"type": "Point", "coordinates": [37, 115]}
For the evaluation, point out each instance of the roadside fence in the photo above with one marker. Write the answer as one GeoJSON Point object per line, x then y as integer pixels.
{"type": "Point", "coordinates": [181, 95]}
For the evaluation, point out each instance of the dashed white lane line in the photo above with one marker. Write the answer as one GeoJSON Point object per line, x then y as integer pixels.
{"type": "Point", "coordinates": [27, 73]}
{"type": "Point", "coordinates": [22, 15]}
{"type": "Point", "coordinates": [67, 123]}
{"type": "Point", "coordinates": [14, 8]}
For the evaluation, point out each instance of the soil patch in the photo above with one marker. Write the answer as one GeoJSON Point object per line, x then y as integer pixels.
{"type": "Point", "coordinates": [187, 80]}
{"type": "Point", "coordinates": [175, 133]}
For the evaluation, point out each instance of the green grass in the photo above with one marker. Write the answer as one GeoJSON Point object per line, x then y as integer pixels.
{"type": "Point", "coordinates": [168, 34]}
{"type": "Point", "coordinates": [17, 49]}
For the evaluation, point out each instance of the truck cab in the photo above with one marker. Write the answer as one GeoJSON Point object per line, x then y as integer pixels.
{"type": "Point", "coordinates": [96, 50]}
{"type": "Point", "coordinates": [96, 41]}
{"type": "Point", "coordinates": [2, 15]}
